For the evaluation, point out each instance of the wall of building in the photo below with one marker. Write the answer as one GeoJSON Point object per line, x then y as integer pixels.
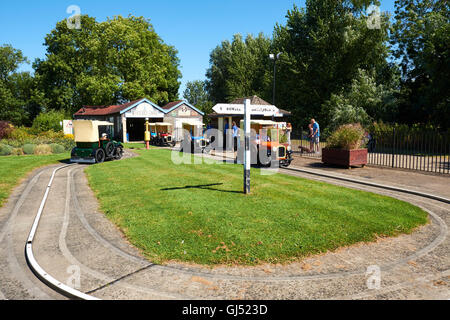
{"type": "Point", "coordinates": [176, 116]}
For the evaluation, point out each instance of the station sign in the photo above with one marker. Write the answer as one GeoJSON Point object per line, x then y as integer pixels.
{"type": "Point", "coordinates": [238, 109]}
{"type": "Point", "coordinates": [144, 110]}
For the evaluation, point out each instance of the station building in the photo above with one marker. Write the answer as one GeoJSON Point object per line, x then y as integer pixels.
{"type": "Point", "coordinates": [129, 118]}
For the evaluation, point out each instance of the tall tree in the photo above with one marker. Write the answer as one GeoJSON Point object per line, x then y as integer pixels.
{"type": "Point", "coordinates": [325, 46]}
{"type": "Point", "coordinates": [421, 35]}
{"type": "Point", "coordinates": [20, 100]}
{"type": "Point", "coordinates": [240, 68]}
{"type": "Point", "coordinates": [195, 93]}
{"type": "Point", "coordinates": [118, 60]}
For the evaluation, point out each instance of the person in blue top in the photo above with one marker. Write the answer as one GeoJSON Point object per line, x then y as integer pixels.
{"type": "Point", "coordinates": [316, 135]}
{"type": "Point", "coordinates": [236, 136]}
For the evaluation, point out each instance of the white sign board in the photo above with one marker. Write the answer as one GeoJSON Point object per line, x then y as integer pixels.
{"type": "Point", "coordinates": [68, 126]}
{"type": "Point", "coordinates": [144, 110]}
{"type": "Point", "coordinates": [264, 110]}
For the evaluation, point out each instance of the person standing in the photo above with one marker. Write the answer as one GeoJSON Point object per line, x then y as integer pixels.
{"type": "Point", "coordinates": [316, 135]}
{"type": "Point", "coordinates": [310, 138]}
{"type": "Point", "coordinates": [236, 137]}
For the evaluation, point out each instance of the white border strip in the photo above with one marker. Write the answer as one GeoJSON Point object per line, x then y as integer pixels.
{"type": "Point", "coordinates": [34, 265]}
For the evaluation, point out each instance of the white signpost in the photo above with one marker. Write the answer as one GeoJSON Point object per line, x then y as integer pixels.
{"type": "Point", "coordinates": [235, 109]}
{"type": "Point", "coordinates": [247, 158]}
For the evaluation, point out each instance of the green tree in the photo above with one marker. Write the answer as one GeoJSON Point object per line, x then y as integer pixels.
{"type": "Point", "coordinates": [20, 100]}
{"type": "Point", "coordinates": [118, 60]}
{"type": "Point", "coordinates": [240, 68]}
{"type": "Point", "coordinates": [363, 102]}
{"type": "Point", "coordinates": [196, 94]}
{"type": "Point", "coordinates": [324, 46]}
{"type": "Point", "coordinates": [421, 35]}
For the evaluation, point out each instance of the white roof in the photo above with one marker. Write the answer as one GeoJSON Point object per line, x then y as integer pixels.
{"type": "Point", "coordinates": [87, 130]}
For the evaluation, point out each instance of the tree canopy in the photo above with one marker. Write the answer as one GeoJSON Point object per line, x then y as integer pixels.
{"type": "Point", "coordinates": [20, 100]}
{"type": "Point", "coordinates": [121, 59]}
{"type": "Point", "coordinates": [240, 68]}
{"type": "Point", "coordinates": [421, 36]}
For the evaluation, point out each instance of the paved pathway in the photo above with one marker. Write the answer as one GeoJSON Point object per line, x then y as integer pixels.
{"type": "Point", "coordinates": [73, 235]}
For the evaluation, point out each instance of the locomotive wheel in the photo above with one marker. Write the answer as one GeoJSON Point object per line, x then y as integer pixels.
{"type": "Point", "coordinates": [100, 156]}
{"type": "Point", "coordinates": [109, 149]}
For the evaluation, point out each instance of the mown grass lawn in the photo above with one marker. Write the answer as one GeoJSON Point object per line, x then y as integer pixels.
{"type": "Point", "coordinates": [15, 168]}
{"type": "Point", "coordinates": [197, 213]}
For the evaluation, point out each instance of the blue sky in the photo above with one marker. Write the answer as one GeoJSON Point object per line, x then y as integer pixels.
{"type": "Point", "coordinates": [194, 27]}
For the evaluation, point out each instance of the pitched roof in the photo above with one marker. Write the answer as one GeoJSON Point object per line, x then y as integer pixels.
{"type": "Point", "coordinates": [170, 105]}
{"type": "Point", "coordinates": [254, 100]}
{"type": "Point", "coordinates": [173, 105]}
{"type": "Point", "coordinates": [104, 110]}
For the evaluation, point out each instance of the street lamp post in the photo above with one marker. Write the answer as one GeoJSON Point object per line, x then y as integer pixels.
{"type": "Point", "coordinates": [274, 58]}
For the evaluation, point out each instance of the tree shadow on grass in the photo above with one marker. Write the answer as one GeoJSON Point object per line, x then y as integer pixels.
{"type": "Point", "coordinates": [203, 187]}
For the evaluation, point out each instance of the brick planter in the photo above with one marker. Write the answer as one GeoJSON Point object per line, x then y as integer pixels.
{"type": "Point", "coordinates": [346, 158]}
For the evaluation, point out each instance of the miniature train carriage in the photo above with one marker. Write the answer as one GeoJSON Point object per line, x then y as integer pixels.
{"type": "Point", "coordinates": [94, 143]}
{"type": "Point", "coordinates": [161, 134]}
{"type": "Point", "coordinates": [269, 142]}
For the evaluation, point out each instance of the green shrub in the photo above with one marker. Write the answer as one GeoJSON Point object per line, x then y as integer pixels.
{"type": "Point", "coordinates": [17, 152]}
{"type": "Point", "coordinates": [29, 148]}
{"type": "Point", "coordinates": [43, 149]}
{"type": "Point", "coordinates": [20, 134]}
{"type": "Point", "coordinates": [5, 150]}
{"type": "Point", "coordinates": [346, 137]}
{"type": "Point", "coordinates": [13, 143]}
{"type": "Point", "coordinates": [47, 121]}
{"type": "Point", "coordinates": [57, 149]}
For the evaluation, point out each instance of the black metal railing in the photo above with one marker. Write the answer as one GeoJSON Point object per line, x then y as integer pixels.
{"type": "Point", "coordinates": [411, 149]}
{"type": "Point", "coordinates": [301, 144]}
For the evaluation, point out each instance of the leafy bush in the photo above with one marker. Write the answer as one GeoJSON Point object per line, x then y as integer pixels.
{"type": "Point", "coordinates": [56, 148]}
{"type": "Point", "coordinates": [43, 149]}
{"type": "Point", "coordinates": [5, 129]}
{"type": "Point", "coordinates": [29, 148]}
{"type": "Point", "coordinates": [20, 134]}
{"type": "Point", "coordinates": [5, 150]}
{"type": "Point", "coordinates": [47, 121]}
{"type": "Point", "coordinates": [17, 152]}
{"type": "Point", "coordinates": [12, 143]}
{"type": "Point", "coordinates": [346, 137]}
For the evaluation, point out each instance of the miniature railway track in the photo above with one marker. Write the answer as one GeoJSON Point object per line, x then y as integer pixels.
{"type": "Point", "coordinates": [141, 264]}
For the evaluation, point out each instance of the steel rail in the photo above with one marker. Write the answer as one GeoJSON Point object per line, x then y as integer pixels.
{"type": "Point", "coordinates": [34, 265]}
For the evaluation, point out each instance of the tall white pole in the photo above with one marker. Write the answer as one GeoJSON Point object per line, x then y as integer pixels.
{"type": "Point", "coordinates": [247, 158]}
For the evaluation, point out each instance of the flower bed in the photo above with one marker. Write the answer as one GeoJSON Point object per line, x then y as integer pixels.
{"type": "Point", "coordinates": [23, 141]}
